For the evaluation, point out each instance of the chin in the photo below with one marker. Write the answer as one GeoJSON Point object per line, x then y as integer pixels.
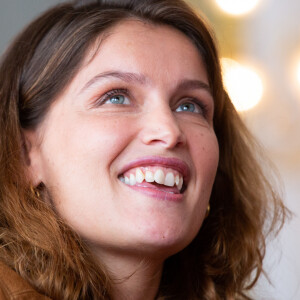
{"type": "Point", "coordinates": [164, 243]}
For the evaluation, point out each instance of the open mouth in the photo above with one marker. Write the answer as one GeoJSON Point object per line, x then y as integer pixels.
{"type": "Point", "coordinates": [156, 177]}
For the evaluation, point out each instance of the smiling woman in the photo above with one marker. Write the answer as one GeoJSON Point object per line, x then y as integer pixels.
{"type": "Point", "coordinates": [126, 173]}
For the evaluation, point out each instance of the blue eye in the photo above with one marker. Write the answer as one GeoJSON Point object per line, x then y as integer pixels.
{"type": "Point", "coordinates": [187, 107]}
{"type": "Point", "coordinates": [116, 99]}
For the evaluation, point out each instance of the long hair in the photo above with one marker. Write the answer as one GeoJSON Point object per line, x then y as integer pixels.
{"type": "Point", "coordinates": [225, 258]}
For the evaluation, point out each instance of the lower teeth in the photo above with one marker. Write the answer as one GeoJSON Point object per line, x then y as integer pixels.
{"type": "Point", "coordinates": [122, 179]}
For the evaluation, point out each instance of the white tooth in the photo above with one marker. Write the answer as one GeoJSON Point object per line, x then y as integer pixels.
{"type": "Point", "coordinates": [180, 183]}
{"type": "Point", "coordinates": [132, 180]}
{"type": "Point", "coordinates": [177, 179]}
{"type": "Point", "coordinates": [139, 175]}
{"type": "Point", "coordinates": [169, 180]}
{"type": "Point", "coordinates": [159, 176]}
{"type": "Point", "coordinates": [122, 179]}
{"type": "Point", "coordinates": [149, 177]}
{"type": "Point", "coordinates": [127, 180]}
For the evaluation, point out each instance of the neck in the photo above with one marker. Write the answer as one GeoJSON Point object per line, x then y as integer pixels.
{"type": "Point", "coordinates": [133, 278]}
{"type": "Point", "coordinates": [142, 284]}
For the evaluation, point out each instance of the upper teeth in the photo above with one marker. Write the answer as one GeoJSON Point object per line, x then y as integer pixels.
{"type": "Point", "coordinates": [159, 175]}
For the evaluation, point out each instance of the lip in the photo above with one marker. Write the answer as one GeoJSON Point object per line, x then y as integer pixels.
{"type": "Point", "coordinates": [167, 162]}
{"type": "Point", "coordinates": [156, 193]}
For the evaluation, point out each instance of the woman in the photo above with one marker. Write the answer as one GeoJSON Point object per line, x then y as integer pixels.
{"type": "Point", "coordinates": [126, 172]}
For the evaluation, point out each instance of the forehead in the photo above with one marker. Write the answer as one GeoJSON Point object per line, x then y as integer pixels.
{"type": "Point", "coordinates": [130, 30]}
{"type": "Point", "coordinates": [143, 47]}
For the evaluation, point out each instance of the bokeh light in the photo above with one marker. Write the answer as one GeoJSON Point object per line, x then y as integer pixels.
{"type": "Point", "coordinates": [243, 85]}
{"type": "Point", "coordinates": [298, 72]}
{"type": "Point", "coordinates": [237, 7]}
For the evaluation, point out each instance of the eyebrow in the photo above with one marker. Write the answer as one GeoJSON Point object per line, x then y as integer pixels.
{"type": "Point", "coordinates": [189, 84]}
{"type": "Point", "coordinates": [129, 77]}
{"type": "Point", "coordinates": [124, 76]}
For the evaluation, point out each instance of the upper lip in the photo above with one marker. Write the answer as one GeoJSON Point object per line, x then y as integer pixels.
{"type": "Point", "coordinates": [167, 162]}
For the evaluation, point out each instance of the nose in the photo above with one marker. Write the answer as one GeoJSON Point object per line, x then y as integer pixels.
{"type": "Point", "coordinates": [160, 127]}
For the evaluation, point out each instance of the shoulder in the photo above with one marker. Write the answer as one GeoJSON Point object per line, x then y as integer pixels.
{"type": "Point", "coordinates": [14, 287]}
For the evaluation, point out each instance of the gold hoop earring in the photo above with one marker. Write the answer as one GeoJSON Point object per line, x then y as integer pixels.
{"type": "Point", "coordinates": [207, 210]}
{"type": "Point", "coordinates": [34, 191]}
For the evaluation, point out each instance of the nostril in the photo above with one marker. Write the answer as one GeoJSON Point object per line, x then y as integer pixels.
{"type": "Point", "coordinates": [166, 136]}
{"type": "Point", "coordinates": [159, 125]}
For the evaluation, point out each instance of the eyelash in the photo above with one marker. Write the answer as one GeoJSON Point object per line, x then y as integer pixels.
{"type": "Point", "coordinates": [125, 92]}
{"type": "Point", "coordinates": [203, 107]}
{"type": "Point", "coordinates": [115, 92]}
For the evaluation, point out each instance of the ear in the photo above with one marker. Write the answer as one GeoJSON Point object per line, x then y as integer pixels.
{"type": "Point", "coordinates": [31, 155]}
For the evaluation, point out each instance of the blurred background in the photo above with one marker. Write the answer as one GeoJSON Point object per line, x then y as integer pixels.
{"type": "Point", "coordinates": [259, 42]}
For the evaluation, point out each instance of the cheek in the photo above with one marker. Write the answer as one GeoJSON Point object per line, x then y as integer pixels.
{"type": "Point", "coordinates": [109, 136]}
{"type": "Point", "coordinates": [75, 149]}
{"type": "Point", "coordinates": [76, 156]}
{"type": "Point", "coordinates": [204, 149]}
{"type": "Point", "coordinates": [88, 138]}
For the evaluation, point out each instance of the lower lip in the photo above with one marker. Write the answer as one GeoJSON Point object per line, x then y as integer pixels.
{"type": "Point", "coordinates": [156, 193]}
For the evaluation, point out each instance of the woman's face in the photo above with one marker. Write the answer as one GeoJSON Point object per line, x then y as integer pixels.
{"type": "Point", "coordinates": [139, 110]}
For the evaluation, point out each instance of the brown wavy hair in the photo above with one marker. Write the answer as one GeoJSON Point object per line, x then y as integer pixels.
{"type": "Point", "coordinates": [225, 258]}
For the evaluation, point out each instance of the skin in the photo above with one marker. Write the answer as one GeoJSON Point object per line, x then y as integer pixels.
{"type": "Point", "coordinates": [80, 148]}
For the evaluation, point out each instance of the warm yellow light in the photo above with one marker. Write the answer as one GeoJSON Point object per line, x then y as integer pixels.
{"type": "Point", "coordinates": [243, 85]}
{"type": "Point", "coordinates": [298, 72]}
{"type": "Point", "coordinates": [237, 7]}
